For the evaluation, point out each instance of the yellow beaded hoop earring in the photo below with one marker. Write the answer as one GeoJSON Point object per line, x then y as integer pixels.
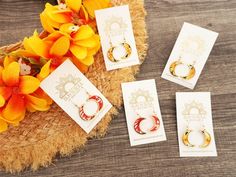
{"type": "Point", "coordinates": [125, 45]}
{"type": "Point", "coordinates": [191, 72]}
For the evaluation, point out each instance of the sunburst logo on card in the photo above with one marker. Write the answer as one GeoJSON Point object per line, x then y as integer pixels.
{"type": "Point", "coordinates": [194, 110]}
{"type": "Point", "coordinates": [115, 26]}
{"type": "Point", "coordinates": [68, 86]}
{"type": "Point", "coordinates": [194, 45]}
{"type": "Point", "coordinates": [141, 99]}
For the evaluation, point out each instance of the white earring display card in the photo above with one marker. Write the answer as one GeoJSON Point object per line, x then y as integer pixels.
{"type": "Point", "coordinates": [189, 55]}
{"type": "Point", "coordinates": [117, 38]}
{"type": "Point", "coordinates": [76, 95]}
{"type": "Point", "coordinates": [194, 123]}
{"type": "Point", "coordinates": [142, 110]}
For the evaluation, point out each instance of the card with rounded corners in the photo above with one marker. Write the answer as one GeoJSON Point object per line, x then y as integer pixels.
{"type": "Point", "coordinates": [143, 114]}
{"type": "Point", "coordinates": [194, 123]}
{"type": "Point", "coordinates": [117, 37]}
{"type": "Point", "coordinates": [189, 55]}
{"type": "Point", "coordinates": [76, 95]}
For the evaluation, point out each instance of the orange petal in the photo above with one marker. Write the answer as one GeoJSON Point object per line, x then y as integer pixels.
{"type": "Point", "coordinates": [28, 84]}
{"type": "Point", "coordinates": [10, 74]}
{"type": "Point", "coordinates": [84, 32]}
{"type": "Point", "coordinates": [83, 68]}
{"type": "Point", "coordinates": [78, 52]}
{"type": "Point", "coordinates": [8, 60]}
{"type": "Point", "coordinates": [41, 94]}
{"type": "Point", "coordinates": [38, 46]}
{"type": "Point", "coordinates": [93, 51]}
{"type": "Point", "coordinates": [27, 45]}
{"type": "Point", "coordinates": [1, 81]}
{"type": "Point", "coordinates": [53, 36]}
{"type": "Point", "coordinates": [36, 103]}
{"type": "Point", "coordinates": [89, 43]}
{"type": "Point", "coordinates": [45, 71]}
{"type": "Point", "coordinates": [59, 17]}
{"type": "Point", "coordinates": [66, 28]}
{"type": "Point", "coordinates": [2, 101]}
{"type": "Point", "coordinates": [89, 60]}
{"type": "Point", "coordinates": [15, 122]}
{"type": "Point", "coordinates": [91, 6]}
{"type": "Point", "coordinates": [56, 15]}
{"type": "Point", "coordinates": [56, 8]}
{"type": "Point", "coordinates": [15, 108]}
{"type": "Point", "coordinates": [60, 47]}
{"type": "Point", "coordinates": [83, 13]}
{"type": "Point", "coordinates": [3, 125]}
{"type": "Point", "coordinates": [5, 92]}
{"type": "Point", "coordinates": [74, 4]}
{"type": "Point", "coordinates": [44, 21]}
{"type": "Point", "coordinates": [30, 108]}
{"type": "Point", "coordinates": [26, 53]}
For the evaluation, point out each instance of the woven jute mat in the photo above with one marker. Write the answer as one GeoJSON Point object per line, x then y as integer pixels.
{"type": "Point", "coordinates": [42, 135]}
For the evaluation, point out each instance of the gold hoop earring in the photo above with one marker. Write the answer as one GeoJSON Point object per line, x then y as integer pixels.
{"type": "Point", "coordinates": [185, 138]}
{"type": "Point", "coordinates": [190, 74]}
{"type": "Point", "coordinates": [128, 51]}
{"type": "Point", "coordinates": [207, 138]}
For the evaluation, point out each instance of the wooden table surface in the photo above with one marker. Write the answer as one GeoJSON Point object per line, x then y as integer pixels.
{"type": "Point", "coordinates": [112, 155]}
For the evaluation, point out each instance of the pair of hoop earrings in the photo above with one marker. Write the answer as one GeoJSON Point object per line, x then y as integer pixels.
{"type": "Point", "coordinates": [125, 45]}
{"type": "Point", "coordinates": [155, 127]}
{"type": "Point", "coordinates": [91, 98]}
{"type": "Point", "coordinates": [191, 70]}
{"type": "Point", "coordinates": [207, 138]}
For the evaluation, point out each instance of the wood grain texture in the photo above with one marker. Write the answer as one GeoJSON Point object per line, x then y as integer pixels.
{"type": "Point", "coordinates": [112, 155]}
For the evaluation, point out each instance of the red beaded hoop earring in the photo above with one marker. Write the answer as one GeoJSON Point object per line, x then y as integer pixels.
{"type": "Point", "coordinates": [155, 127]}
{"type": "Point", "coordinates": [93, 98]}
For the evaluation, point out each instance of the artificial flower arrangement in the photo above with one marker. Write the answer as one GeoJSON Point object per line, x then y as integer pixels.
{"type": "Point", "coordinates": [70, 32]}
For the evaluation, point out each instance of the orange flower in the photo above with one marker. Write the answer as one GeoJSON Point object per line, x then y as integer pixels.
{"type": "Point", "coordinates": [34, 47]}
{"type": "Point", "coordinates": [79, 44]}
{"type": "Point", "coordinates": [17, 94]}
{"type": "Point", "coordinates": [75, 42]}
{"type": "Point", "coordinates": [78, 12]}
